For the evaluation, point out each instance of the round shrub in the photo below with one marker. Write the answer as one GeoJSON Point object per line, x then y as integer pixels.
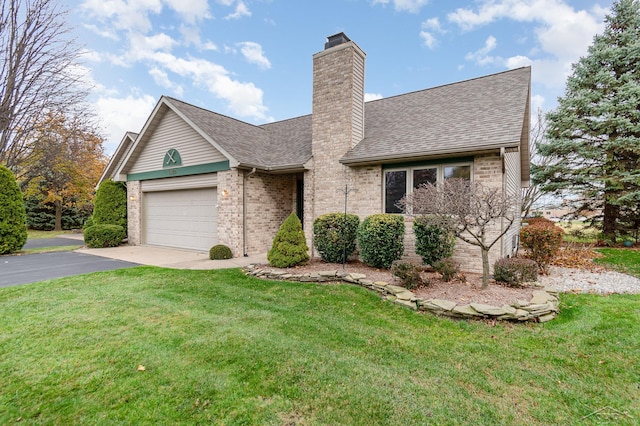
{"type": "Point", "coordinates": [100, 236]}
{"type": "Point", "coordinates": [13, 219]}
{"type": "Point", "coordinates": [539, 221]}
{"type": "Point", "coordinates": [380, 238]}
{"type": "Point", "coordinates": [408, 273]}
{"type": "Point", "coordinates": [542, 242]}
{"type": "Point", "coordinates": [220, 252]}
{"type": "Point", "coordinates": [515, 271]}
{"type": "Point", "coordinates": [334, 236]}
{"type": "Point", "coordinates": [110, 204]}
{"type": "Point", "coordinates": [289, 245]}
{"type": "Point", "coordinates": [88, 223]}
{"type": "Point", "coordinates": [435, 240]}
{"type": "Point", "coordinates": [448, 268]}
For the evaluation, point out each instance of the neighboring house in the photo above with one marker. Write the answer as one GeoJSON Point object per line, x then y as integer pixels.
{"type": "Point", "coordinates": [196, 178]}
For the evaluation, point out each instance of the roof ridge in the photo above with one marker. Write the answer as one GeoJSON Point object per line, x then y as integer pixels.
{"type": "Point", "coordinates": [212, 112]}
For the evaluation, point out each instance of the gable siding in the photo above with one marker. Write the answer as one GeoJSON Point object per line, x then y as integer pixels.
{"type": "Point", "coordinates": [512, 187]}
{"type": "Point", "coordinates": [173, 132]}
{"type": "Point", "coordinates": [358, 100]}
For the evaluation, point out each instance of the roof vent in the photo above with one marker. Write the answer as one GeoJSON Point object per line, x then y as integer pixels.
{"type": "Point", "coordinates": [335, 40]}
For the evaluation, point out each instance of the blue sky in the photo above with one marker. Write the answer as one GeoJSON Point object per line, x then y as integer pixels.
{"type": "Point", "coordinates": [252, 59]}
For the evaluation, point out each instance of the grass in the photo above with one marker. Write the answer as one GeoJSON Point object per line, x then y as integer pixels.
{"type": "Point", "coordinates": [219, 347]}
{"type": "Point", "coordinates": [623, 260]}
{"type": "Point", "coordinates": [50, 249]}
{"type": "Point", "coordinates": [577, 231]}
{"type": "Point", "coordinates": [33, 234]}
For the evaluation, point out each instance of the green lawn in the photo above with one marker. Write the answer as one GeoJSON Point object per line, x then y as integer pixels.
{"type": "Point", "coordinates": [34, 234]}
{"type": "Point", "coordinates": [222, 348]}
{"type": "Point", "coordinates": [623, 260]}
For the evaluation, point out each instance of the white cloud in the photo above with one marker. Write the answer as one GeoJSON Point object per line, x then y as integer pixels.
{"type": "Point", "coordinates": [106, 33]}
{"type": "Point", "coordinates": [429, 39]}
{"type": "Point", "coordinates": [372, 96]}
{"type": "Point", "coordinates": [128, 15]}
{"type": "Point", "coordinates": [241, 10]}
{"type": "Point", "coordinates": [253, 54]}
{"type": "Point", "coordinates": [120, 115]}
{"type": "Point", "coordinates": [429, 27]}
{"type": "Point", "coordinates": [561, 31]}
{"type": "Point", "coordinates": [161, 78]}
{"type": "Point", "coordinates": [209, 45]}
{"type": "Point", "coordinates": [412, 6]}
{"type": "Point", "coordinates": [244, 99]}
{"type": "Point", "coordinates": [481, 56]}
{"type": "Point", "coordinates": [190, 10]}
{"type": "Point", "coordinates": [143, 47]}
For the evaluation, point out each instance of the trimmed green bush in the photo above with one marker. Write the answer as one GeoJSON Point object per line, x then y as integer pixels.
{"type": "Point", "coordinates": [110, 204]}
{"type": "Point", "coordinates": [515, 271]}
{"type": "Point", "coordinates": [334, 236]}
{"type": "Point", "coordinates": [542, 242]}
{"type": "Point", "coordinates": [100, 236]}
{"type": "Point", "coordinates": [434, 240]}
{"type": "Point", "coordinates": [289, 245]}
{"type": "Point", "coordinates": [220, 252]}
{"type": "Point", "coordinates": [408, 273]}
{"type": "Point", "coordinates": [380, 238]}
{"type": "Point", "coordinates": [88, 223]}
{"type": "Point", "coordinates": [13, 219]}
{"type": "Point", "coordinates": [448, 268]}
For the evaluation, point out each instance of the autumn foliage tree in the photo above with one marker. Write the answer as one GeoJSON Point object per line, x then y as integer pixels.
{"type": "Point", "coordinates": [38, 72]}
{"type": "Point", "coordinates": [65, 162]}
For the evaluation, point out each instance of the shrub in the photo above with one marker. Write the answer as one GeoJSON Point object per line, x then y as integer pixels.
{"type": "Point", "coordinates": [88, 223]}
{"type": "Point", "coordinates": [13, 222]}
{"type": "Point", "coordinates": [380, 239]}
{"type": "Point", "coordinates": [434, 240]}
{"type": "Point", "coordinates": [539, 221]}
{"type": "Point", "coordinates": [542, 242]}
{"type": "Point", "coordinates": [408, 273]}
{"type": "Point", "coordinates": [110, 204]}
{"type": "Point", "coordinates": [515, 271]}
{"type": "Point", "coordinates": [334, 236]}
{"type": "Point", "coordinates": [220, 252]}
{"type": "Point", "coordinates": [289, 245]}
{"type": "Point", "coordinates": [99, 236]}
{"type": "Point", "coordinates": [447, 267]}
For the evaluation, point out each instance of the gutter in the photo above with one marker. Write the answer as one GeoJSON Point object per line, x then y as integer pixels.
{"type": "Point", "coordinates": [244, 211]}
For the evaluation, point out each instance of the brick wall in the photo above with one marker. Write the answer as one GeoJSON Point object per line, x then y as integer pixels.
{"type": "Point", "coordinates": [230, 211]}
{"type": "Point", "coordinates": [134, 218]}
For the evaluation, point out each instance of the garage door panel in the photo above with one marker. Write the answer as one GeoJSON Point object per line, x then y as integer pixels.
{"type": "Point", "coordinates": [182, 219]}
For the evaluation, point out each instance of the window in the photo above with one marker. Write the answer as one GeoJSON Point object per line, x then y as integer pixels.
{"type": "Point", "coordinates": [397, 182]}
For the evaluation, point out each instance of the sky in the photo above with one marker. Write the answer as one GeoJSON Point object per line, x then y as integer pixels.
{"type": "Point", "coordinates": [252, 59]}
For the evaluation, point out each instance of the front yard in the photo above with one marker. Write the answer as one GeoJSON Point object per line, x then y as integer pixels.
{"type": "Point", "coordinates": [159, 346]}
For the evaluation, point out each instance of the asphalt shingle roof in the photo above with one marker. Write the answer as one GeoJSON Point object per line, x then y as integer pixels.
{"type": "Point", "coordinates": [470, 116]}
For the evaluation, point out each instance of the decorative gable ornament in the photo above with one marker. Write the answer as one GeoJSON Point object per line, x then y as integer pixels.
{"type": "Point", "coordinates": [172, 158]}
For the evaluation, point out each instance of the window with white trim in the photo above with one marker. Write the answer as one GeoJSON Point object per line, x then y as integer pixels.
{"type": "Point", "coordinates": [403, 180]}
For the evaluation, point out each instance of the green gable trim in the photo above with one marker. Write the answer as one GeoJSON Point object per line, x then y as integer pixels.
{"type": "Point", "coordinates": [180, 171]}
{"type": "Point", "coordinates": [172, 158]}
{"type": "Point", "coordinates": [427, 163]}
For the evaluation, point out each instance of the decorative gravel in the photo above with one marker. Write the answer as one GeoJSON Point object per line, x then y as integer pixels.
{"type": "Point", "coordinates": [583, 281]}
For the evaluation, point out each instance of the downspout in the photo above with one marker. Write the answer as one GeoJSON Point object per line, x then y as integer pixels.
{"type": "Point", "coordinates": [504, 193]}
{"type": "Point", "coordinates": [244, 211]}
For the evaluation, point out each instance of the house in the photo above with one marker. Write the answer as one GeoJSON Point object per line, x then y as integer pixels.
{"type": "Point", "coordinates": [196, 178]}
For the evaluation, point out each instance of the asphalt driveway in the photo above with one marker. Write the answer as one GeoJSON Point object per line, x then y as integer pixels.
{"type": "Point", "coordinates": [29, 268]}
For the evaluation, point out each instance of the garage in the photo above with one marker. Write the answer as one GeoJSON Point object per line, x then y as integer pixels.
{"type": "Point", "coordinates": [185, 218]}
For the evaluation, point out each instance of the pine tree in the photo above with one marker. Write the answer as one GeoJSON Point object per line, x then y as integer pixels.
{"type": "Point", "coordinates": [13, 225]}
{"type": "Point", "coordinates": [289, 245]}
{"type": "Point", "coordinates": [594, 134]}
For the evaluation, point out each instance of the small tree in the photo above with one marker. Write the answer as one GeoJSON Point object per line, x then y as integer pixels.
{"type": "Point", "coordinates": [289, 245]}
{"type": "Point", "coordinates": [110, 204]}
{"type": "Point", "coordinates": [473, 209]}
{"type": "Point", "coordinates": [13, 225]}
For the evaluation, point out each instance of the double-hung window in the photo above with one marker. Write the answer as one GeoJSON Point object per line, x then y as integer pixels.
{"type": "Point", "coordinates": [403, 180]}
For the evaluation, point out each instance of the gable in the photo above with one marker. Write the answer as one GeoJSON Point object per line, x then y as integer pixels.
{"type": "Point", "coordinates": [172, 133]}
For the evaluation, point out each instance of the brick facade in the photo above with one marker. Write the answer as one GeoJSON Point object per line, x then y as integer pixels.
{"type": "Point", "coordinates": [134, 217]}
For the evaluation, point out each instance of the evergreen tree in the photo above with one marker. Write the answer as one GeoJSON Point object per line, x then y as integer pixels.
{"type": "Point", "coordinates": [13, 224]}
{"type": "Point", "coordinates": [289, 245]}
{"type": "Point", "coordinates": [110, 204]}
{"type": "Point", "coordinates": [594, 134]}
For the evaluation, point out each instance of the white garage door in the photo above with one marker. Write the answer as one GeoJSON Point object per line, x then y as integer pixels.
{"type": "Point", "coordinates": [182, 219]}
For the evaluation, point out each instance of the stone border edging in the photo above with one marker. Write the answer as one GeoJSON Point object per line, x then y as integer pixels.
{"type": "Point", "coordinates": [543, 306]}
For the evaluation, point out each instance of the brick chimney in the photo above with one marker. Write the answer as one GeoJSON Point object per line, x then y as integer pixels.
{"type": "Point", "coordinates": [338, 117]}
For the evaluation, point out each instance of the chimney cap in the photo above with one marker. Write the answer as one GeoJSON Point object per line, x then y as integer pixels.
{"type": "Point", "coordinates": [335, 40]}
